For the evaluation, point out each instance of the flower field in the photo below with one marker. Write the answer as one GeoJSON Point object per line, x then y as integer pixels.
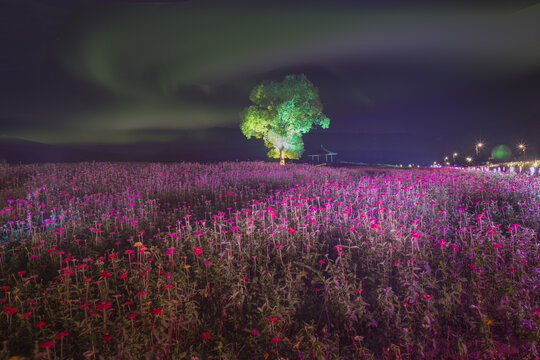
{"type": "Point", "coordinates": [256, 261]}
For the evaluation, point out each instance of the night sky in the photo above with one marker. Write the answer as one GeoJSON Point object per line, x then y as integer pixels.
{"type": "Point", "coordinates": [165, 81]}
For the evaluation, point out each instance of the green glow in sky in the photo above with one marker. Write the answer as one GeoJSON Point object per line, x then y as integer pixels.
{"type": "Point", "coordinates": [185, 65]}
{"type": "Point", "coordinates": [501, 152]}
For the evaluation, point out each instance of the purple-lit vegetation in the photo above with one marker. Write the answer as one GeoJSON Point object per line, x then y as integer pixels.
{"type": "Point", "coordinates": [254, 260]}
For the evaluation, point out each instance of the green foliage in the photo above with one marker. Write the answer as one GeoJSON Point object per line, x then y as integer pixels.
{"type": "Point", "coordinates": [281, 113]}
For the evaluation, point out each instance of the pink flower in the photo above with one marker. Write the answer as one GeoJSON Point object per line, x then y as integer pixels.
{"type": "Point", "coordinates": [168, 286]}
{"type": "Point", "coordinates": [276, 339]}
{"type": "Point", "coordinates": [9, 310]}
{"type": "Point", "coordinates": [102, 305]}
{"type": "Point", "coordinates": [197, 251]}
{"type": "Point", "coordinates": [427, 297]}
{"type": "Point", "coordinates": [272, 318]}
{"type": "Point", "coordinates": [131, 316]}
{"type": "Point", "coordinates": [61, 334]}
{"type": "Point", "coordinates": [47, 344]}
{"type": "Point", "coordinates": [291, 230]}
{"type": "Point", "coordinates": [497, 246]}
{"type": "Point", "coordinates": [254, 332]}
{"type": "Point", "coordinates": [40, 324]}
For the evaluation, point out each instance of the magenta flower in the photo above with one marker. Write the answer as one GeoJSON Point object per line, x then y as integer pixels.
{"type": "Point", "coordinates": [276, 339]}
{"type": "Point", "coordinates": [47, 344]}
{"type": "Point", "coordinates": [61, 334]}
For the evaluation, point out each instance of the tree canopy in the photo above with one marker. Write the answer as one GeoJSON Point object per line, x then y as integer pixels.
{"type": "Point", "coordinates": [281, 112]}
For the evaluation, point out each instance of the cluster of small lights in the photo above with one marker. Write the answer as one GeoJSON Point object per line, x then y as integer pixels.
{"type": "Point", "coordinates": [477, 148]}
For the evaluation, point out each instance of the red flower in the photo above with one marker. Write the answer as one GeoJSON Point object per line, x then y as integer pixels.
{"type": "Point", "coordinates": [26, 314]}
{"type": "Point", "coordinates": [168, 286]}
{"type": "Point", "coordinates": [291, 230]}
{"type": "Point", "coordinates": [40, 324]}
{"type": "Point", "coordinates": [132, 315]}
{"type": "Point", "coordinates": [61, 334]}
{"type": "Point", "coordinates": [427, 297]}
{"type": "Point", "coordinates": [205, 335]}
{"type": "Point", "coordinates": [47, 344]}
{"type": "Point", "coordinates": [92, 311]}
{"type": "Point", "coordinates": [106, 337]}
{"type": "Point", "coordinates": [105, 274]}
{"type": "Point", "coordinates": [157, 311]}
{"type": "Point", "coordinates": [272, 318]}
{"type": "Point", "coordinates": [197, 251]}
{"type": "Point", "coordinates": [276, 339]}
{"type": "Point", "coordinates": [497, 246]}
{"type": "Point", "coordinates": [122, 275]}
{"type": "Point", "coordinates": [102, 305]}
{"type": "Point", "coordinates": [5, 287]}
{"type": "Point", "coordinates": [9, 310]}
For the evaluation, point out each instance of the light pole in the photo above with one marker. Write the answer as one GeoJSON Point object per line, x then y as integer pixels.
{"type": "Point", "coordinates": [522, 147]}
{"type": "Point", "coordinates": [477, 147]}
{"type": "Point", "coordinates": [469, 159]}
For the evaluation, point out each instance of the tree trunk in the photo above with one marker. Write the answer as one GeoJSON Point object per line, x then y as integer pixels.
{"type": "Point", "coordinates": [281, 157]}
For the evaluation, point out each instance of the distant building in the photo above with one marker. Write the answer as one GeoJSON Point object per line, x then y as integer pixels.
{"type": "Point", "coordinates": [326, 153]}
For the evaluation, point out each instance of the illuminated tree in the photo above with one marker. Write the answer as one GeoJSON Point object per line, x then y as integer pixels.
{"type": "Point", "coordinates": [281, 113]}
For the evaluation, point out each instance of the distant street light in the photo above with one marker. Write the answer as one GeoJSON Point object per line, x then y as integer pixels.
{"type": "Point", "coordinates": [469, 159]}
{"type": "Point", "coordinates": [522, 147]}
{"type": "Point", "coordinates": [454, 157]}
{"type": "Point", "coordinates": [478, 147]}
